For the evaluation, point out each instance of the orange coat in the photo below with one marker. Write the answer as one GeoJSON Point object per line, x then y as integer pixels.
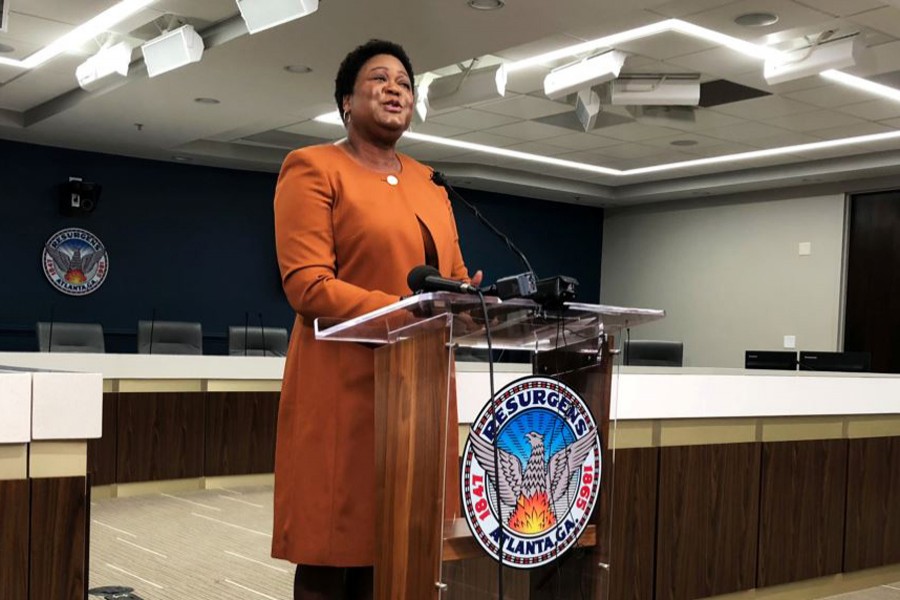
{"type": "Point", "coordinates": [346, 240]}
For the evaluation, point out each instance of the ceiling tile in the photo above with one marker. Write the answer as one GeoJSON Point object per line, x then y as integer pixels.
{"type": "Point", "coordinates": [745, 131]}
{"type": "Point", "coordinates": [683, 8]}
{"type": "Point", "coordinates": [895, 123]}
{"type": "Point", "coordinates": [315, 129]}
{"type": "Point", "coordinates": [591, 158]}
{"type": "Point", "coordinates": [529, 131]}
{"type": "Point", "coordinates": [634, 132]}
{"type": "Point", "coordinates": [540, 148]}
{"type": "Point", "coordinates": [720, 61]}
{"type": "Point", "coordinates": [472, 120]}
{"type": "Point", "coordinates": [487, 139]}
{"type": "Point", "coordinates": [790, 14]}
{"type": "Point", "coordinates": [525, 107]}
{"type": "Point", "coordinates": [630, 151]}
{"type": "Point", "coordinates": [873, 110]}
{"type": "Point", "coordinates": [722, 149]}
{"type": "Point", "coordinates": [788, 138]}
{"type": "Point", "coordinates": [431, 128]}
{"type": "Point", "coordinates": [707, 119]}
{"type": "Point", "coordinates": [665, 46]}
{"type": "Point", "coordinates": [886, 20]}
{"type": "Point", "coordinates": [433, 152]}
{"type": "Point", "coordinates": [842, 8]}
{"type": "Point", "coordinates": [866, 128]}
{"type": "Point", "coordinates": [830, 96]}
{"type": "Point", "coordinates": [582, 141]}
{"type": "Point", "coordinates": [817, 119]}
{"type": "Point", "coordinates": [666, 142]}
{"type": "Point", "coordinates": [767, 107]}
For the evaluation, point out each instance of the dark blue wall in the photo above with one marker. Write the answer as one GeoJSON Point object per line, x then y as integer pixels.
{"type": "Point", "coordinates": [196, 244]}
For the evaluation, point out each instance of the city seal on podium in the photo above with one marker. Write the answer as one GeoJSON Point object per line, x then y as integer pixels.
{"type": "Point", "coordinates": [536, 496]}
{"type": "Point", "coordinates": [75, 261]}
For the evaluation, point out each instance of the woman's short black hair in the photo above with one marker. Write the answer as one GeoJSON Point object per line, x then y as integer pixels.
{"type": "Point", "coordinates": [353, 62]}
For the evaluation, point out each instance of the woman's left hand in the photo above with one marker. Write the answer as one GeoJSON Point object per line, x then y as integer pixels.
{"type": "Point", "coordinates": [476, 278]}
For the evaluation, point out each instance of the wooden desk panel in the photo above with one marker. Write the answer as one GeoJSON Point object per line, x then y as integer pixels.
{"type": "Point", "coordinates": [873, 504]}
{"type": "Point", "coordinates": [102, 451]}
{"type": "Point", "coordinates": [58, 538]}
{"type": "Point", "coordinates": [708, 520]}
{"type": "Point", "coordinates": [160, 436]}
{"type": "Point", "coordinates": [14, 529]}
{"type": "Point", "coordinates": [802, 504]}
{"type": "Point", "coordinates": [240, 432]}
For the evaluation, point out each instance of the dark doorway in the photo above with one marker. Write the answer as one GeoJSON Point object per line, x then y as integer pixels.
{"type": "Point", "coordinates": [872, 317]}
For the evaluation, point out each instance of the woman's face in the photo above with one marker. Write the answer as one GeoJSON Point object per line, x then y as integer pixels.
{"type": "Point", "coordinates": [382, 99]}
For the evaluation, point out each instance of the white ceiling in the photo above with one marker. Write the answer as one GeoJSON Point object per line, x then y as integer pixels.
{"type": "Point", "coordinates": [265, 110]}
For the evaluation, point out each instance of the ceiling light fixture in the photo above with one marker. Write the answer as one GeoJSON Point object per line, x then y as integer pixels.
{"type": "Point", "coordinates": [865, 85]}
{"type": "Point", "coordinates": [95, 72]}
{"type": "Point", "coordinates": [172, 50]}
{"type": "Point", "coordinates": [486, 4]}
{"type": "Point", "coordinates": [468, 87]}
{"type": "Point", "coordinates": [260, 15]}
{"type": "Point", "coordinates": [583, 74]}
{"type": "Point", "coordinates": [812, 60]}
{"type": "Point", "coordinates": [757, 19]}
{"type": "Point", "coordinates": [81, 34]}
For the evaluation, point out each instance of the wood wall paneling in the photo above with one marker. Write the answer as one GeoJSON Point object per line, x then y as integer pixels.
{"type": "Point", "coordinates": [58, 538]}
{"type": "Point", "coordinates": [707, 520]}
{"type": "Point", "coordinates": [14, 532]}
{"type": "Point", "coordinates": [101, 452]}
{"type": "Point", "coordinates": [872, 536]}
{"type": "Point", "coordinates": [802, 505]}
{"type": "Point", "coordinates": [160, 436]}
{"type": "Point", "coordinates": [240, 432]}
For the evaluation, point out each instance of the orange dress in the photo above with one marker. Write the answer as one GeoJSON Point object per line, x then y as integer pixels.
{"type": "Point", "coordinates": [346, 240]}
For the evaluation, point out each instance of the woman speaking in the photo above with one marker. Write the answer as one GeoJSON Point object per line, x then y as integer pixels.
{"type": "Point", "coordinates": [351, 220]}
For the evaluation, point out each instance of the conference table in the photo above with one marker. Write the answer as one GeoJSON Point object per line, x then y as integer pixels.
{"type": "Point", "coordinates": [722, 482]}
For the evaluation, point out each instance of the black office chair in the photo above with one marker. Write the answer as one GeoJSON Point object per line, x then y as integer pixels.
{"type": "Point", "coordinates": [169, 337]}
{"type": "Point", "coordinates": [653, 353]}
{"type": "Point", "coordinates": [70, 337]}
{"type": "Point", "coordinates": [257, 341]}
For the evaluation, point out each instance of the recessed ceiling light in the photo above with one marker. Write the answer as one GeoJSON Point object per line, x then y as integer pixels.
{"type": "Point", "coordinates": [298, 69]}
{"type": "Point", "coordinates": [757, 19]}
{"type": "Point", "coordinates": [684, 142]}
{"type": "Point", "coordinates": [6, 49]}
{"type": "Point", "coordinates": [207, 101]}
{"type": "Point", "coordinates": [486, 4]}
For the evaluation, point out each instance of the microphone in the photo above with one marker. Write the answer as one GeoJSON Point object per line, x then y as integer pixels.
{"type": "Point", "coordinates": [425, 278]}
{"type": "Point", "coordinates": [50, 333]}
{"type": "Point", "coordinates": [152, 325]}
{"type": "Point", "coordinates": [551, 292]}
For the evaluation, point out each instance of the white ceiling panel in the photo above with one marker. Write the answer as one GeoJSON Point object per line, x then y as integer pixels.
{"type": "Point", "coordinates": [701, 141]}
{"type": "Point", "coordinates": [679, 9]}
{"type": "Point", "coordinates": [530, 131]}
{"type": "Point", "coordinates": [524, 107]}
{"type": "Point", "coordinates": [35, 87]}
{"type": "Point", "coordinates": [433, 152]}
{"type": "Point", "coordinates": [488, 139]}
{"type": "Point", "coordinates": [790, 15]}
{"type": "Point", "coordinates": [630, 151]}
{"type": "Point", "coordinates": [745, 132]}
{"type": "Point", "coordinates": [540, 148]}
{"type": "Point", "coordinates": [472, 120]}
{"type": "Point", "coordinates": [818, 119]}
{"type": "Point", "coordinates": [723, 62]}
{"type": "Point", "coordinates": [830, 96]}
{"type": "Point", "coordinates": [634, 132]}
{"type": "Point", "coordinates": [873, 110]}
{"type": "Point", "coordinates": [315, 129]}
{"type": "Point", "coordinates": [886, 20]}
{"type": "Point", "coordinates": [835, 133]}
{"type": "Point", "coordinates": [35, 31]}
{"type": "Point", "coordinates": [788, 138]}
{"type": "Point", "coordinates": [432, 128]}
{"type": "Point", "coordinates": [766, 107]}
{"type": "Point", "coordinates": [843, 8]}
{"type": "Point", "coordinates": [591, 158]}
{"type": "Point", "coordinates": [580, 141]}
{"type": "Point", "coordinates": [665, 46]}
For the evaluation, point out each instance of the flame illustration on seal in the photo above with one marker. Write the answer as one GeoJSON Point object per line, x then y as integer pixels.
{"type": "Point", "coordinates": [78, 266]}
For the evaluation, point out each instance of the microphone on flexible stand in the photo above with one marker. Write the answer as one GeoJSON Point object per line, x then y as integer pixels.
{"type": "Point", "coordinates": [262, 334]}
{"type": "Point", "coordinates": [426, 278]}
{"type": "Point", "coordinates": [550, 292]}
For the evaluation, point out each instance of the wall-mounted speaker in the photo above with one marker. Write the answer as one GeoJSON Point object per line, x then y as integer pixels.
{"type": "Point", "coordinates": [78, 198]}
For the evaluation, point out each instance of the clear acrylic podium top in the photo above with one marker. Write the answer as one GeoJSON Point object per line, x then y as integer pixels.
{"type": "Point", "coordinates": [517, 324]}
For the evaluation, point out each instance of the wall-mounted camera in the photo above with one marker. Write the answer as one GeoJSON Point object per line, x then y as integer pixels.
{"type": "Point", "coordinates": [78, 197]}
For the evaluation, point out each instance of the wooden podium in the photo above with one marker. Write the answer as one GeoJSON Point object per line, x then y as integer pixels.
{"type": "Point", "coordinates": [421, 552]}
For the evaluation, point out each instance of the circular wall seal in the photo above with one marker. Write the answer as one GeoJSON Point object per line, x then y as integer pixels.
{"type": "Point", "coordinates": [541, 495]}
{"type": "Point", "coordinates": [75, 261]}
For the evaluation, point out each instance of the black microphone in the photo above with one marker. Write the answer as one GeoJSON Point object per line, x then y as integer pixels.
{"type": "Point", "coordinates": [50, 333]}
{"type": "Point", "coordinates": [152, 325]}
{"type": "Point", "coordinates": [425, 278]}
